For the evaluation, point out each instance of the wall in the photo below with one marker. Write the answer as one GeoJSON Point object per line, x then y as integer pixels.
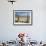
{"type": "Point", "coordinates": [38, 30]}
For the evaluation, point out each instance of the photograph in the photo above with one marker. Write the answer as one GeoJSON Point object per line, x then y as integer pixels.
{"type": "Point", "coordinates": [22, 17]}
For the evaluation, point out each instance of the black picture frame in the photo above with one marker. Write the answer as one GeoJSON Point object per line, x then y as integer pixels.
{"type": "Point", "coordinates": [22, 17]}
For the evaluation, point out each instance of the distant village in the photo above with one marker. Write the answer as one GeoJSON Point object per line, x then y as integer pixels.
{"type": "Point", "coordinates": [22, 19]}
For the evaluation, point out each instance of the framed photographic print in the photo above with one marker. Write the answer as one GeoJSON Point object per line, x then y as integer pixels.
{"type": "Point", "coordinates": [23, 17]}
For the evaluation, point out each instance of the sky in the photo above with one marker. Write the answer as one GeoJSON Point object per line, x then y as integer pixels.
{"type": "Point", "coordinates": [22, 13]}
